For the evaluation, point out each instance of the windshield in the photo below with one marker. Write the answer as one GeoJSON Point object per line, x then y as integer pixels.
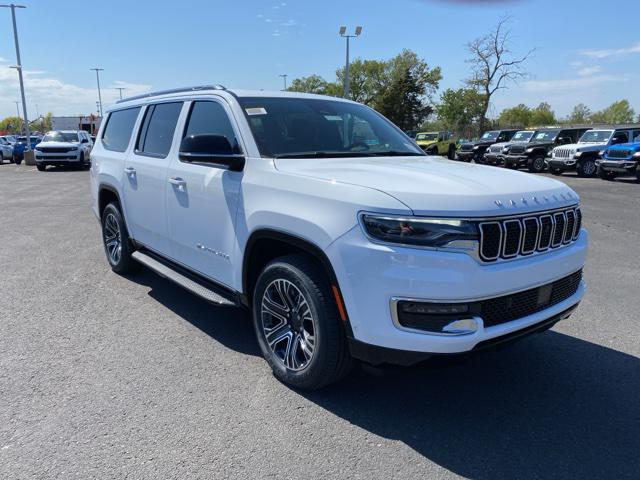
{"type": "Point", "coordinates": [523, 136]}
{"type": "Point", "coordinates": [596, 136]}
{"type": "Point", "coordinates": [490, 135]}
{"type": "Point", "coordinates": [427, 136]}
{"type": "Point", "coordinates": [313, 128]}
{"type": "Point", "coordinates": [60, 137]}
{"type": "Point", "coordinates": [546, 136]}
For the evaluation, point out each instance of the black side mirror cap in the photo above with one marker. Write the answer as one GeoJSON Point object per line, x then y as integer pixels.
{"type": "Point", "coordinates": [210, 149]}
{"type": "Point", "coordinates": [84, 140]}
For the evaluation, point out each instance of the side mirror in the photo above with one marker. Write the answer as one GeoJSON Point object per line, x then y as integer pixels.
{"type": "Point", "coordinates": [210, 149]}
{"type": "Point", "coordinates": [84, 140]}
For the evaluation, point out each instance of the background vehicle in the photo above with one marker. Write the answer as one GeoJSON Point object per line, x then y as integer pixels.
{"type": "Point", "coordinates": [437, 143]}
{"type": "Point", "coordinates": [496, 152]}
{"type": "Point", "coordinates": [64, 147]}
{"type": "Point", "coordinates": [620, 161]}
{"type": "Point", "coordinates": [335, 230]}
{"type": "Point", "coordinates": [476, 150]}
{"type": "Point", "coordinates": [6, 149]}
{"type": "Point", "coordinates": [534, 154]}
{"type": "Point", "coordinates": [20, 145]}
{"type": "Point", "coordinates": [582, 156]}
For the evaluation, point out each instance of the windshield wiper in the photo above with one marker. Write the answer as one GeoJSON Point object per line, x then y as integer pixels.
{"type": "Point", "coordinates": [395, 153]}
{"type": "Point", "coordinates": [321, 154]}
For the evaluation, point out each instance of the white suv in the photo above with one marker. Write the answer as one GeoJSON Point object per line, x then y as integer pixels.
{"type": "Point", "coordinates": [327, 222]}
{"type": "Point", "coordinates": [64, 147]}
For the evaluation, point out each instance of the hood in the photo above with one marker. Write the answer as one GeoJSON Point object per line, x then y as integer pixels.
{"type": "Point", "coordinates": [625, 146]}
{"type": "Point", "coordinates": [584, 147]}
{"type": "Point", "coordinates": [426, 142]}
{"type": "Point", "coordinates": [59, 144]}
{"type": "Point", "coordinates": [434, 186]}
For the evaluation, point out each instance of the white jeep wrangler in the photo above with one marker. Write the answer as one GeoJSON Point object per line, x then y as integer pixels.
{"type": "Point", "coordinates": [332, 227]}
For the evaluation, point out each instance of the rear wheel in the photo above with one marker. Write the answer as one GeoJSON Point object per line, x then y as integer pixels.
{"type": "Point", "coordinates": [117, 244]}
{"type": "Point", "coordinates": [587, 168]}
{"type": "Point", "coordinates": [537, 164]}
{"type": "Point", "coordinates": [297, 324]}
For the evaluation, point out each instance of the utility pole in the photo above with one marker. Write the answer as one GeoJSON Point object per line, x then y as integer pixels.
{"type": "Point", "coordinates": [28, 157]}
{"type": "Point", "coordinates": [343, 34]}
{"type": "Point", "coordinates": [98, 70]}
{"type": "Point", "coordinates": [120, 89]}
{"type": "Point", "coordinates": [284, 77]}
{"type": "Point", "coordinates": [17, 108]}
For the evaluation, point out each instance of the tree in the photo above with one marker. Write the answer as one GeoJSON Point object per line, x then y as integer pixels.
{"type": "Point", "coordinates": [311, 84]}
{"type": "Point", "coordinates": [492, 64]}
{"type": "Point", "coordinates": [459, 109]}
{"type": "Point", "coordinates": [580, 114]}
{"type": "Point", "coordinates": [542, 115]}
{"type": "Point", "coordinates": [11, 125]}
{"type": "Point", "coordinates": [366, 80]}
{"type": "Point", "coordinates": [617, 112]}
{"type": "Point", "coordinates": [518, 116]}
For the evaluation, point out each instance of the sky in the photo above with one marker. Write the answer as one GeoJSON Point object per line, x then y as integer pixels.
{"type": "Point", "coordinates": [586, 51]}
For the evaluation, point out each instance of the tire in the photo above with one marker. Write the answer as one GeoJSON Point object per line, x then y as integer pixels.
{"type": "Point", "coordinates": [432, 151]}
{"type": "Point", "coordinates": [638, 173]}
{"type": "Point", "coordinates": [537, 164]}
{"type": "Point", "coordinates": [451, 152]}
{"type": "Point", "coordinates": [84, 165]}
{"type": "Point", "coordinates": [283, 284]}
{"type": "Point", "coordinates": [114, 230]}
{"type": "Point", "coordinates": [555, 171]}
{"type": "Point", "coordinates": [587, 168]}
{"type": "Point", "coordinates": [40, 167]}
{"type": "Point", "coordinates": [17, 160]}
{"type": "Point", "coordinates": [604, 175]}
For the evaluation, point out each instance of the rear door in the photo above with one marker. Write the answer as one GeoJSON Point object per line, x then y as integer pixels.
{"type": "Point", "coordinates": [202, 199]}
{"type": "Point", "coordinates": [145, 177]}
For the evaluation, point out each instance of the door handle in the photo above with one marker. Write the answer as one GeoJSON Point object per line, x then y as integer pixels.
{"type": "Point", "coordinates": [178, 182]}
{"type": "Point", "coordinates": [130, 171]}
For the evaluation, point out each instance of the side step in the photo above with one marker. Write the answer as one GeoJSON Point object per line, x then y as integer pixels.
{"type": "Point", "coordinates": [196, 287]}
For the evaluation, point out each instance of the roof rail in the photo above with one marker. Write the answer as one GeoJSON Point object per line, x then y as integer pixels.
{"type": "Point", "coordinates": [173, 90]}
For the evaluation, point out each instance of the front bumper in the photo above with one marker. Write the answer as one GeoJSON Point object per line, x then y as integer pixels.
{"type": "Point", "coordinates": [371, 275]}
{"type": "Point", "coordinates": [466, 155]}
{"type": "Point", "coordinates": [627, 167]}
{"type": "Point", "coordinates": [565, 164]}
{"type": "Point", "coordinates": [57, 158]}
{"type": "Point", "coordinates": [516, 160]}
{"type": "Point", "coordinates": [493, 158]}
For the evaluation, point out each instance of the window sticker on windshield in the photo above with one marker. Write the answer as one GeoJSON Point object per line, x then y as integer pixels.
{"type": "Point", "coordinates": [256, 111]}
{"type": "Point", "coordinates": [333, 118]}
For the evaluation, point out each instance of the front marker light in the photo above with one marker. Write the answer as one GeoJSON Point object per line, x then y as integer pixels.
{"type": "Point", "coordinates": [424, 232]}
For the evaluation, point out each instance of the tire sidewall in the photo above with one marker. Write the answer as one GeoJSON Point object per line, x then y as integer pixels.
{"type": "Point", "coordinates": [125, 256]}
{"type": "Point", "coordinates": [533, 166]}
{"type": "Point", "coordinates": [320, 309]}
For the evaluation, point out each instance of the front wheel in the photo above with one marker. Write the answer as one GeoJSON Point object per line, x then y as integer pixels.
{"type": "Point", "coordinates": [297, 324]}
{"type": "Point", "coordinates": [117, 244]}
{"type": "Point", "coordinates": [41, 167]}
{"type": "Point", "coordinates": [17, 160]}
{"type": "Point", "coordinates": [537, 165]}
{"type": "Point", "coordinates": [555, 171]}
{"type": "Point", "coordinates": [587, 168]}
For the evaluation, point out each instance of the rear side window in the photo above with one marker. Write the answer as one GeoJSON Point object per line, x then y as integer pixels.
{"type": "Point", "coordinates": [158, 127]}
{"type": "Point", "coordinates": [117, 132]}
{"type": "Point", "coordinates": [211, 118]}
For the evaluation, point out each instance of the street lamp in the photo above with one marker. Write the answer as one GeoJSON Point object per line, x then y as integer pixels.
{"type": "Point", "coordinates": [17, 108]}
{"type": "Point", "coordinates": [284, 77]}
{"type": "Point", "coordinates": [343, 34]}
{"type": "Point", "coordinates": [120, 89]}
{"type": "Point", "coordinates": [28, 159]}
{"type": "Point", "coordinates": [98, 70]}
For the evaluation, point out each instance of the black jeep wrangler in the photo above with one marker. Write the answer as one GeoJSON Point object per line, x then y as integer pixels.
{"type": "Point", "coordinates": [533, 154]}
{"type": "Point", "coordinates": [476, 150]}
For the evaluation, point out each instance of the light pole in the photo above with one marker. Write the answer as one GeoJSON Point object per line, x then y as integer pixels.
{"type": "Point", "coordinates": [120, 89]}
{"type": "Point", "coordinates": [284, 77]}
{"type": "Point", "coordinates": [343, 33]}
{"type": "Point", "coordinates": [18, 67]}
{"type": "Point", "coordinates": [98, 70]}
{"type": "Point", "coordinates": [17, 108]}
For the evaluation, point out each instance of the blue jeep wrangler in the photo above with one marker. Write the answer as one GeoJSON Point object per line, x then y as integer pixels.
{"type": "Point", "coordinates": [620, 160]}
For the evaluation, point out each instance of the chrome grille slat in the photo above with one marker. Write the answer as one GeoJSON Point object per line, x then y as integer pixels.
{"type": "Point", "coordinates": [508, 238]}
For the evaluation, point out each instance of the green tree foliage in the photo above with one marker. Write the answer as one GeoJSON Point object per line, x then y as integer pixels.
{"type": "Point", "coordinates": [518, 116]}
{"type": "Point", "coordinates": [11, 124]}
{"type": "Point", "coordinates": [580, 114]}
{"type": "Point", "coordinates": [401, 88]}
{"type": "Point", "coordinates": [459, 109]}
{"type": "Point", "coordinates": [542, 115]}
{"type": "Point", "coordinates": [617, 112]}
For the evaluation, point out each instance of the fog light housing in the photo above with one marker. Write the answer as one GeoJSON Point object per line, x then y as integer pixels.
{"type": "Point", "coordinates": [446, 319]}
{"type": "Point", "coordinates": [434, 308]}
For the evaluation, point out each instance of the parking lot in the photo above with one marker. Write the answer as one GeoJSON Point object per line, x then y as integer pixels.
{"type": "Point", "coordinates": [104, 376]}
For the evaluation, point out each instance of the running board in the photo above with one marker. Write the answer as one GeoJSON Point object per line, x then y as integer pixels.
{"type": "Point", "coordinates": [195, 287]}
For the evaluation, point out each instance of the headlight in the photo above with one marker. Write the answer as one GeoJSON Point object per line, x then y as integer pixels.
{"type": "Point", "coordinates": [476, 147]}
{"type": "Point", "coordinates": [529, 150]}
{"type": "Point", "coordinates": [72, 148]}
{"type": "Point", "coordinates": [577, 154]}
{"type": "Point", "coordinates": [505, 150]}
{"type": "Point", "coordinates": [602, 152]}
{"type": "Point", "coordinates": [424, 232]}
{"type": "Point", "coordinates": [636, 155]}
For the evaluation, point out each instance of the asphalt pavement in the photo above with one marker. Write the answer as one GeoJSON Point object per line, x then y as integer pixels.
{"type": "Point", "coordinates": [105, 376]}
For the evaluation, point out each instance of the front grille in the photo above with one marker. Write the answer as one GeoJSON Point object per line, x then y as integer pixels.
{"type": "Point", "coordinates": [562, 153]}
{"type": "Point", "coordinates": [54, 149]}
{"type": "Point", "coordinates": [493, 311]}
{"type": "Point", "coordinates": [466, 147]}
{"type": "Point", "coordinates": [511, 307]}
{"type": "Point", "coordinates": [619, 154]}
{"type": "Point", "coordinates": [510, 237]}
{"type": "Point", "coordinates": [517, 149]}
{"type": "Point", "coordinates": [495, 148]}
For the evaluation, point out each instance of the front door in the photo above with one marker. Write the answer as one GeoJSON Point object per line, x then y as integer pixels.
{"type": "Point", "coordinates": [202, 199]}
{"type": "Point", "coordinates": [145, 181]}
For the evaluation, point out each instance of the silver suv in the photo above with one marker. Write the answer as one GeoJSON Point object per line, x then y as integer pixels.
{"type": "Point", "coordinates": [64, 147]}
